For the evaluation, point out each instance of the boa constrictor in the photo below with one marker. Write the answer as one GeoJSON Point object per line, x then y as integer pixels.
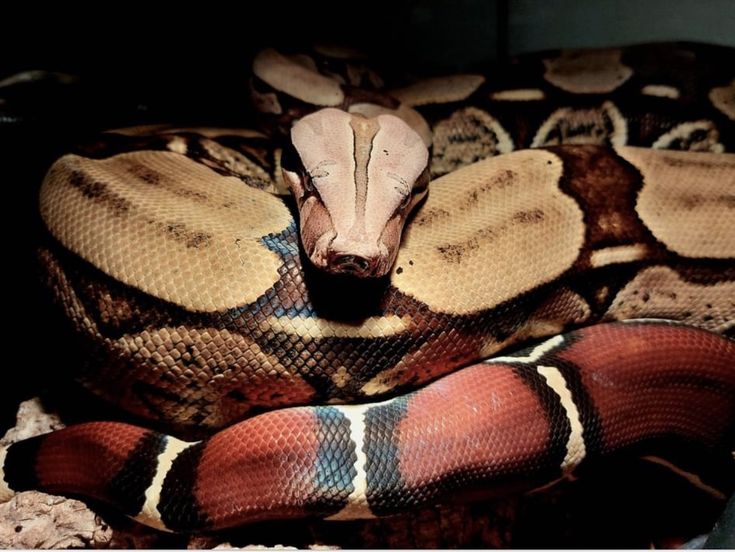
{"type": "Point", "coordinates": [197, 306]}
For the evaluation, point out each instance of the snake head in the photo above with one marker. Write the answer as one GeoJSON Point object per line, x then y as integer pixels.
{"type": "Point", "coordinates": [355, 180]}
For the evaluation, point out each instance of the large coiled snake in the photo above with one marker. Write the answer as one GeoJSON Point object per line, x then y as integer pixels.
{"type": "Point", "coordinates": [198, 304]}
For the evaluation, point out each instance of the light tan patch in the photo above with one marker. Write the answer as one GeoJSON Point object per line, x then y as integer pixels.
{"type": "Point", "coordinates": [618, 254]}
{"type": "Point", "coordinates": [166, 225]}
{"type": "Point", "coordinates": [292, 78]}
{"type": "Point", "coordinates": [568, 125]}
{"type": "Point", "coordinates": [687, 200]}
{"type": "Point", "coordinates": [723, 98]}
{"type": "Point", "coordinates": [490, 232]}
{"type": "Point", "coordinates": [468, 135]}
{"type": "Point", "coordinates": [384, 381]}
{"type": "Point", "coordinates": [314, 328]}
{"type": "Point", "coordinates": [341, 377]}
{"type": "Point", "coordinates": [691, 136]}
{"type": "Point", "coordinates": [407, 114]}
{"type": "Point", "coordinates": [177, 144]}
{"type": "Point", "coordinates": [518, 95]}
{"type": "Point", "coordinates": [660, 91]}
{"type": "Point", "coordinates": [437, 90]}
{"type": "Point", "coordinates": [659, 292]}
{"type": "Point", "coordinates": [587, 71]}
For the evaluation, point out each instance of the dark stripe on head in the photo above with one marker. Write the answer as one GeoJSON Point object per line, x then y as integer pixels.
{"type": "Point", "coordinates": [178, 506]}
{"type": "Point", "coordinates": [127, 488]}
{"type": "Point", "coordinates": [20, 464]}
{"type": "Point", "coordinates": [385, 485]}
{"type": "Point", "coordinates": [335, 461]}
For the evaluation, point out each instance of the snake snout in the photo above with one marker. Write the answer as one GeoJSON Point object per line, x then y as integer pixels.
{"type": "Point", "coordinates": [356, 259]}
{"type": "Point", "coordinates": [355, 265]}
{"type": "Point", "coordinates": [351, 264]}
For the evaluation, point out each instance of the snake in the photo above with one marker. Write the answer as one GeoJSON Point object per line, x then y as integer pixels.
{"type": "Point", "coordinates": [315, 324]}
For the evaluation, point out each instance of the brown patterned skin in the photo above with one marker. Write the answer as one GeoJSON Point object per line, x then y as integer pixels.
{"type": "Point", "coordinates": [170, 283]}
{"type": "Point", "coordinates": [510, 424]}
{"type": "Point", "coordinates": [665, 96]}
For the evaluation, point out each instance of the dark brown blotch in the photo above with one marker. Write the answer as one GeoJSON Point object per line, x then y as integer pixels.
{"type": "Point", "coordinates": [430, 216]}
{"type": "Point", "coordinates": [606, 188]}
{"type": "Point", "coordinates": [193, 239]}
{"type": "Point", "coordinates": [499, 181]}
{"type": "Point", "coordinates": [709, 165]}
{"type": "Point", "coordinates": [146, 174]}
{"type": "Point", "coordinates": [153, 177]}
{"type": "Point", "coordinates": [694, 200]}
{"type": "Point", "coordinates": [454, 252]}
{"type": "Point", "coordinates": [99, 191]}
{"type": "Point", "coordinates": [529, 217]}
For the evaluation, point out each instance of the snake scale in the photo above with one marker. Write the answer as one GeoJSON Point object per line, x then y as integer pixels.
{"type": "Point", "coordinates": [202, 301]}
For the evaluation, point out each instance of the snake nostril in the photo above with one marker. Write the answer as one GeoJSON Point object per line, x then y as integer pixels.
{"type": "Point", "coordinates": [350, 264]}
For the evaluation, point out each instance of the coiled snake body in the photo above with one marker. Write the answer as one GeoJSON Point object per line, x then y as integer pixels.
{"type": "Point", "coordinates": [198, 306]}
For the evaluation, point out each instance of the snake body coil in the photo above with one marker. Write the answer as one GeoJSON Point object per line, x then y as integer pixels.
{"type": "Point", "coordinates": [197, 306]}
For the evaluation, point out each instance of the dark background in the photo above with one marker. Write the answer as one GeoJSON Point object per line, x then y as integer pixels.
{"type": "Point", "coordinates": [169, 37]}
{"type": "Point", "coordinates": [194, 58]}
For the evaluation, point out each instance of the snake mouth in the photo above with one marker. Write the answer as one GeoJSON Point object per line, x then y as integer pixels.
{"type": "Point", "coordinates": [353, 265]}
